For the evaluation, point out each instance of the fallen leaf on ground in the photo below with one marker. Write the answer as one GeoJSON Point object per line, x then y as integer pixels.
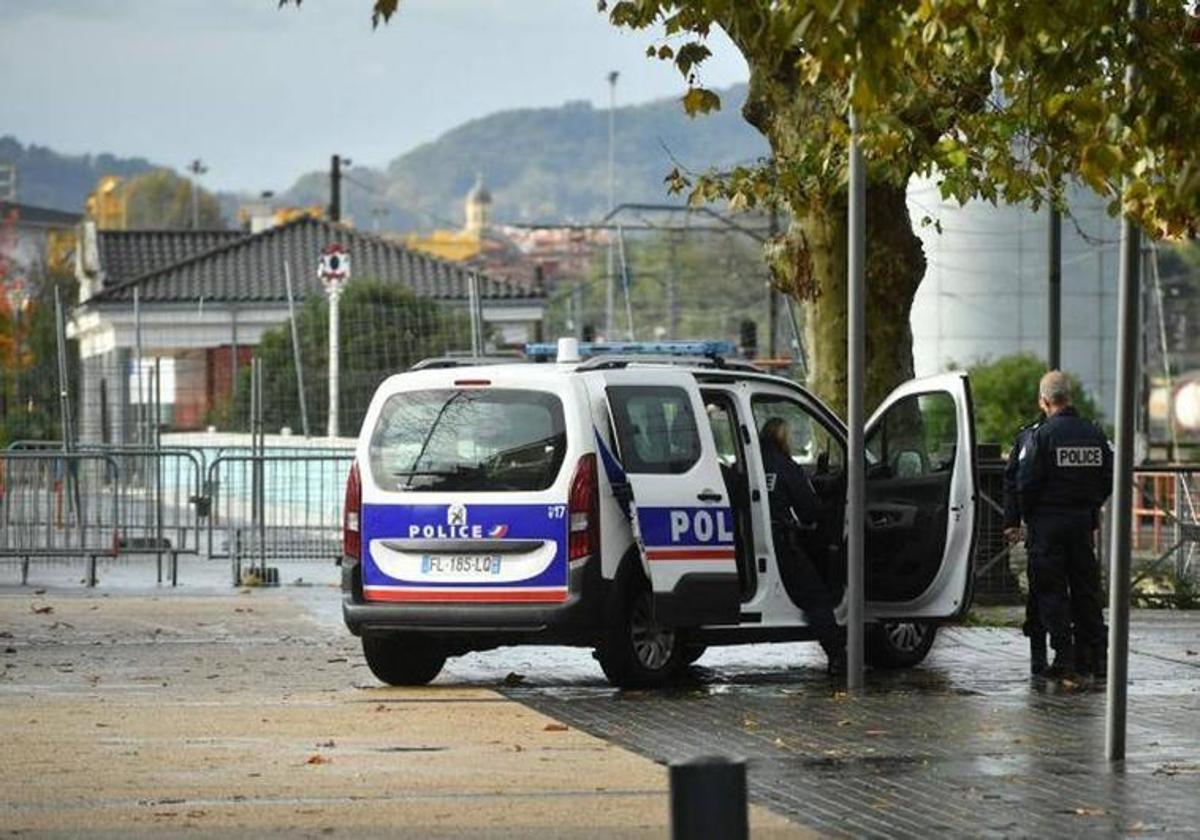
{"type": "Point", "coordinates": [876, 732]}
{"type": "Point", "coordinates": [555, 727]}
{"type": "Point", "coordinates": [1089, 812]}
{"type": "Point", "coordinates": [326, 744]}
{"type": "Point", "coordinates": [1190, 652]}
{"type": "Point", "coordinates": [43, 610]}
{"type": "Point", "coordinates": [513, 678]}
{"type": "Point", "coordinates": [846, 722]}
{"type": "Point", "coordinates": [318, 759]}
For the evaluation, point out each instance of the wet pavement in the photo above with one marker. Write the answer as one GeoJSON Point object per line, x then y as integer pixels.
{"type": "Point", "coordinates": [965, 744]}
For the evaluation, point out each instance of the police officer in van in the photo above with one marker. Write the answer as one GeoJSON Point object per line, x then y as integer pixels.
{"type": "Point", "coordinates": [795, 507]}
{"type": "Point", "coordinates": [1064, 475]}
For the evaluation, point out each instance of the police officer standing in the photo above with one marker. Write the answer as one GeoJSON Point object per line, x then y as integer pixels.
{"type": "Point", "coordinates": [1064, 475]}
{"type": "Point", "coordinates": [1033, 627]}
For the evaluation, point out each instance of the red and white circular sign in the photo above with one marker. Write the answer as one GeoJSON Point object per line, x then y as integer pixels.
{"type": "Point", "coordinates": [334, 265]}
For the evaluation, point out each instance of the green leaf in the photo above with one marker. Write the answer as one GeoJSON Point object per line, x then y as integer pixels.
{"type": "Point", "coordinates": [689, 55]}
{"type": "Point", "coordinates": [700, 100]}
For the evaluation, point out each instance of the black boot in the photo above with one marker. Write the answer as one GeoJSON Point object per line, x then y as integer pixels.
{"type": "Point", "coordinates": [1064, 662]}
{"type": "Point", "coordinates": [1098, 656]}
{"type": "Point", "coordinates": [1037, 654]}
{"type": "Point", "coordinates": [834, 645]}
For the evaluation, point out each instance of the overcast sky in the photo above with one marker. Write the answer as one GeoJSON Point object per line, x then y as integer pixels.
{"type": "Point", "coordinates": [263, 94]}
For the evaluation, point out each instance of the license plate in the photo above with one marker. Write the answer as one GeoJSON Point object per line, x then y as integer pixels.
{"type": "Point", "coordinates": [460, 564]}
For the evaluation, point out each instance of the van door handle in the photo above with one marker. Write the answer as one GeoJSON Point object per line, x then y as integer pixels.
{"type": "Point", "coordinates": [709, 496]}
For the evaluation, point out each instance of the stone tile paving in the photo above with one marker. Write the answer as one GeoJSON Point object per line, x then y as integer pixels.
{"type": "Point", "coordinates": [966, 745]}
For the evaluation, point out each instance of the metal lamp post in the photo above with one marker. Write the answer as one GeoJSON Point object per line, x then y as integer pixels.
{"type": "Point", "coordinates": [197, 168]}
{"type": "Point", "coordinates": [610, 268]}
{"type": "Point", "coordinates": [334, 271]}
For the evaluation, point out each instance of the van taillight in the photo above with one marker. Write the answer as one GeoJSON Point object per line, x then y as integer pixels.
{"type": "Point", "coordinates": [352, 515]}
{"type": "Point", "coordinates": [583, 511]}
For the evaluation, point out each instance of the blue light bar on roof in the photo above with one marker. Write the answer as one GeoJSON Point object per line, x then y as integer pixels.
{"type": "Point", "coordinates": [547, 349]}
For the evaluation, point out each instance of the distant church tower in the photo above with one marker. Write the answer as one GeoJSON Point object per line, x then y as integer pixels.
{"type": "Point", "coordinates": [479, 208]}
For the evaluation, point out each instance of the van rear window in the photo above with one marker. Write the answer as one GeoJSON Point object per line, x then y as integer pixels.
{"type": "Point", "coordinates": [469, 440]}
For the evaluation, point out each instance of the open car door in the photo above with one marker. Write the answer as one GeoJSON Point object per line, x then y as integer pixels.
{"type": "Point", "coordinates": [674, 494]}
{"type": "Point", "coordinates": [921, 495]}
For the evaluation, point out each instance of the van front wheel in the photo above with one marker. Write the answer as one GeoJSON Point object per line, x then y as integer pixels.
{"type": "Point", "coordinates": [398, 661]}
{"type": "Point", "coordinates": [636, 651]}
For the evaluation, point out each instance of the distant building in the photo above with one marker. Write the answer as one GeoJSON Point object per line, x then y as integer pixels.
{"type": "Point", "coordinates": [206, 298]}
{"type": "Point", "coordinates": [34, 242]}
{"type": "Point", "coordinates": [531, 257]}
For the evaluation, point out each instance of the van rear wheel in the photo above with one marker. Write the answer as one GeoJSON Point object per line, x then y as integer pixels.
{"type": "Point", "coordinates": [898, 644]}
{"type": "Point", "coordinates": [635, 650]}
{"type": "Point", "coordinates": [398, 661]}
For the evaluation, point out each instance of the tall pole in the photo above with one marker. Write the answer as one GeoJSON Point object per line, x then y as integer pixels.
{"type": "Point", "coordinates": [141, 391]}
{"type": "Point", "coordinates": [287, 278]}
{"type": "Point", "coordinates": [856, 352]}
{"type": "Point", "coordinates": [773, 295]}
{"type": "Point", "coordinates": [1054, 326]}
{"type": "Point", "coordinates": [334, 291]}
{"type": "Point", "coordinates": [335, 188]}
{"type": "Point", "coordinates": [1128, 322]}
{"type": "Point", "coordinates": [625, 284]}
{"type": "Point", "coordinates": [610, 264]}
{"type": "Point", "coordinates": [197, 168]}
{"type": "Point", "coordinates": [64, 394]}
{"type": "Point", "coordinates": [672, 288]}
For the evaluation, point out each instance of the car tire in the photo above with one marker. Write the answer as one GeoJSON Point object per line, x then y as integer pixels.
{"type": "Point", "coordinates": [398, 661]}
{"type": "Point", "coordinates": [899, 644]}
{"type": "Point", "coordinates": [635, 651]}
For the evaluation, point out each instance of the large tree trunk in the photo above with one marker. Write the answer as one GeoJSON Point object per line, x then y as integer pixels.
{"type": "Point", "coordinates": [810, 261]}
{"type": "Point", "coordinates": [895, 266]}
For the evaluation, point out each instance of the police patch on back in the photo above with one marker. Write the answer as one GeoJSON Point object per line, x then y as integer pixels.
{"type": "Point", "coordinates": [1078, 456]}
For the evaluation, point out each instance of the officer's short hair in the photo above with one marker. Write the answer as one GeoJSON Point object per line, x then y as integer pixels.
{"type": "Point", "coordinates": [1055, 388]}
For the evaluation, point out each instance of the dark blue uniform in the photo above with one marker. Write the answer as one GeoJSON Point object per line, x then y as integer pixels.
{"type": "Point", "coordinates": [795, 505]}
{"type": "Point", "coordinates": [1064, 475]}
{"type": "Point", "coordinates": [1033, 627]}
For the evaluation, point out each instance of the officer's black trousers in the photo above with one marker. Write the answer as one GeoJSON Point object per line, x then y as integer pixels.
{"type": "Point", "coordinates": [805, 586]}
{"type": "Point", "coordinates": [1065, 577]}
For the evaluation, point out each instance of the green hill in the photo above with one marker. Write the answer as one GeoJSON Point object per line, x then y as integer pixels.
{"type": "Point", "coordinates": [46, 178]}
{"type": "Point", "coordinates": [543, 164]}
{"type": "Point", "coordinates": [540, 164]}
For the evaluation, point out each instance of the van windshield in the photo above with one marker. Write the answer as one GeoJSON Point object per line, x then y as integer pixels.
{"type": "Point", "coordinates": [468, 440]}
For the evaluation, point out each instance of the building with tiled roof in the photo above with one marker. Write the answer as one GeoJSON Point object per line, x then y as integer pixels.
{"type": "Point", "coordinates": [205, 299]}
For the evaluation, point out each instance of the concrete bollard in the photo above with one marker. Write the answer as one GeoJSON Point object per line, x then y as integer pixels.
{"type": "Point", "coordinates": [708, 799]}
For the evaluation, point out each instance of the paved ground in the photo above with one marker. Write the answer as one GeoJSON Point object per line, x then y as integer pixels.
{"type": "Point", "coordinates": [248, 714]}
{"type": "Point", "coordinates": [200, 714]}
{"type": "Point", "coordinates": [966, 745]}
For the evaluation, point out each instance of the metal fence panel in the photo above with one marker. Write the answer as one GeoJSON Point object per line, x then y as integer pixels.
{"type": "Point", "coordinates": [276, 507]}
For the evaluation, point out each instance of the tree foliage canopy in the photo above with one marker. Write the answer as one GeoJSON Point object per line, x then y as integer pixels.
{"type": "Point", "coordinates": [997, 100]}
{"type": "Point", "coordinates": [384, 329]}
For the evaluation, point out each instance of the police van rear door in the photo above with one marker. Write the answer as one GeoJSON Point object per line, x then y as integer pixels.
{"type": "Point", "coordinates": [921, 496]}
{"type": "Point", "coordinates": [667, 457]}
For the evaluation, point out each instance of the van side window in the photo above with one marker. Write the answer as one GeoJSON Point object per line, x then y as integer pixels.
{"type": "Point", "coordinates": [656, 429]}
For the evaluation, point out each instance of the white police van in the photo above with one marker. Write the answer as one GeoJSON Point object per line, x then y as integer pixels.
{"type": "Point", "coordinates": [617, 500]}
